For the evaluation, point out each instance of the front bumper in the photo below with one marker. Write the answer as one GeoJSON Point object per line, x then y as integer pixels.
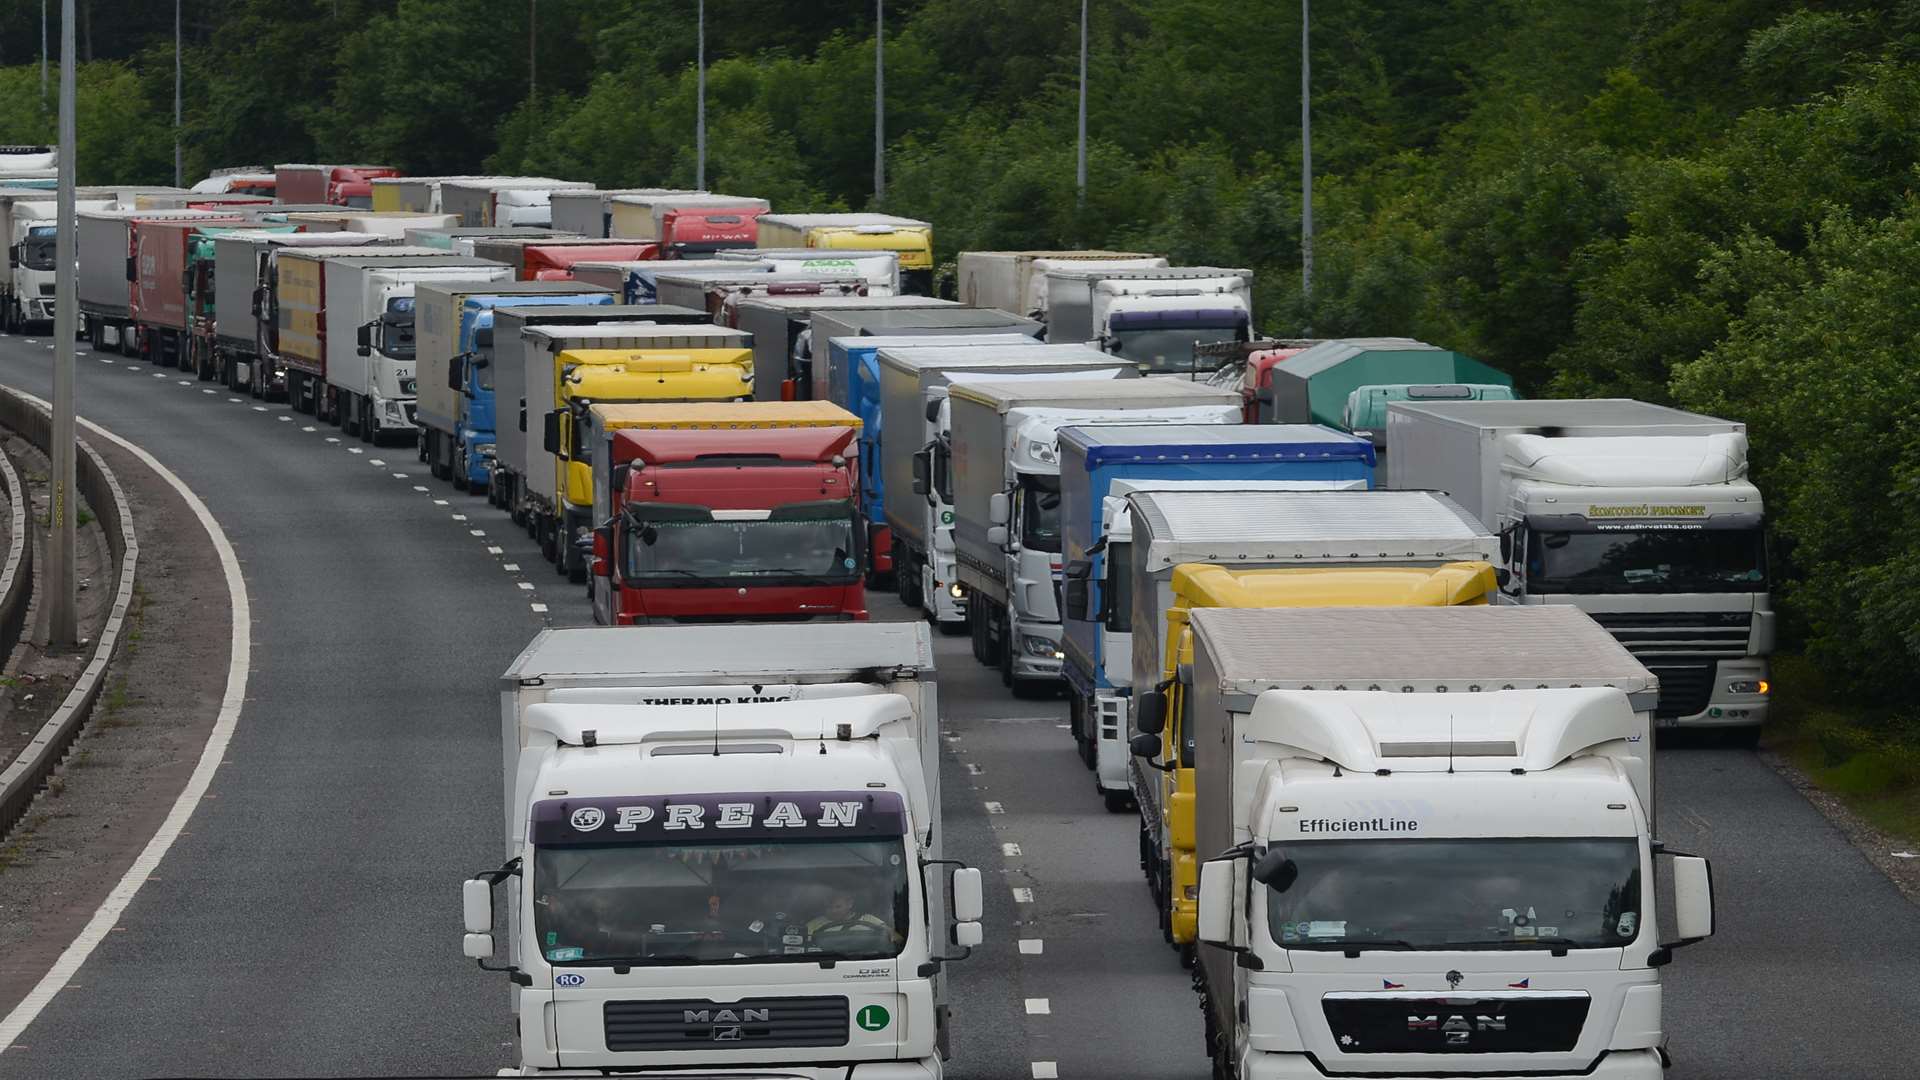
{"type": "Point", "coordinates": [1726, 708]}
{"type": "Point", "coordinates": [393, 414]}
{"type": "Point", "coordinates": [1027, 664]}
{"type": "Point", "coordinates": [40, 310]}
{"type": "Point", "coordinates": [1616, 1065]}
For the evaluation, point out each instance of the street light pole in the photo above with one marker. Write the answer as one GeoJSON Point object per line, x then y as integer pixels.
{"type": "Point", "coordinates": [176, 91]}
{"type": "Point", "coordinates": [700, 109]}
{"type": "Point", "coordinates": [1080, 169]}
{"type": "Point", "coordinates": [62, 627]}
{"type": "Point", "coordinates": [43, 53]}
{"type": "Point", "coordinates": [879, 100]}
{"type": "Point", "coordinates": [1306, 156]}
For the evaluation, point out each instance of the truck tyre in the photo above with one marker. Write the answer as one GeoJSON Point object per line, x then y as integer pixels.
{"type": "Point", "coordinates": [1003, 655]}
{"type": "Point", "coordinates": [12, 322]}
{"type": "Point", "coordinates": [546, 531]}
{"type": "Point", "coordinates": [457, 472]}
{"type": "Point", "coordinates": [129, 344]}
{"type": "Point", "coordinates": [977, 632]}
{"type": "Point", "coordinates": [94, 339]}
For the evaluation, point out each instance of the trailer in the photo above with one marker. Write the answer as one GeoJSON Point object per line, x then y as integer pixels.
{"type": "Point", "coordinates": [912, 240]}
{"type": "Point", "coordinates": [107, 270]}
{"type": "Point", "coordinates": [517, 200]}
{"type": "Point", "coordinates": [590, 212]}
{"type": "Point", "coordinates": [639, 217]}
{"type": "Point", "coordinates": [552, 258]}
{"type": "Point", "coordinates": [783, 338]}
{"type": "Point", "coordinates": [1016, 280]}
{"type": "Point", "coordinates": [831, 379]}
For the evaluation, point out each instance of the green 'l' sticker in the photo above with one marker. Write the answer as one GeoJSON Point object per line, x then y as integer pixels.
{"type": "Point", "coordinates": [872, 1018]}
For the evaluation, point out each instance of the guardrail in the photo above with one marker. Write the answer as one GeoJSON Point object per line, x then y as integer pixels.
{"type": "Point", "coordinates": [22, 779]}
{"type": "Point", "coordinates": [16, 578]}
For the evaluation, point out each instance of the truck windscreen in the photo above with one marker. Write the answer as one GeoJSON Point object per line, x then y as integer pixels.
{"type": "Point", "coordinates": [1040, 513]}
{"type": "Point", "coordinates": [763, 901]}
{"type": "Point", "coordinates": [36, 253]}
{"type": "Point", "coordinates": [1170, 350]}
{"type": "Point", "coordinates": [800, 543]}
{"type": "Point", "coordinates": [1647, 559]}
{"type": "Point", "coordinates": [1580, 893]}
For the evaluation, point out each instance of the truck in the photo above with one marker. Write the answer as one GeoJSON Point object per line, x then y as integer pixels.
{"type": "Point", "coordinates": [1345, 548]}
{"type": "Point", "coordinates": [1640, 515]}
{"type": "Point", "coordinates": [589, 212]}
{"type": "Point", "coordinates": [1005, 466]}
{"type": "Point", "coordinates": [617, 930]}
{"type": "Point", "coordinates": [1347, 383]}
{"type": "Point", "coordinates": [552, 258]}
{"type": "Point", "coordinates": [460, 239]}
{"type": "Point", "coordinates": [831, 380]}
{"type": "Point", "coordinates": [162, 321]}
{"type": "Point", "coordinates": [453, 329]}
{"type": "Point", "coordinates": [369, 342]}
{"type": "Point", "coordinates": [201, 295]}
{"type": "Point", "coordinates": [783, 339]}
{"type": "Point", "coordinates": [1016, 281]}
{"type": "Point", "coordinates": [564, 368]}
{"type": "Point", "coordinates": [392, 224]}
{"type": "Point", "coordinates": [911, 240]}
{"type": "Point", "coordinates": [643, 217]}
{"type": "Point", "coordinates": [1153, 317]}
{"type": "Point", "coordinates": [30, 227]}
{"type": "Point", "coordinates": [916, 475]}
{"type": "Point", "coordinates": [1099, 466]}
{"type": "Point", "coordinates": [105, 283]}
{"type": "Point", "coordinates": [728, 511]}
{"type": "Point", "coordinates": [420, 194]}
{"type": "Point", "coordinates": [504, 200]}
{"type": "Point", "coordinates": [698, 231]}
{"type": "Point", "coordinates": [856, 388]}
{"type": "Point", "coordinates": [245, 271]}
{"type": "Point", "coordinates": [719, 291]}
{"type": "Point", "coordinates": [27, 161]}
{"type": "Point", "coordinates": [880, 268]}
{"type": "Point", "coordinates": [1433, 856]}
{"type": "Point", "coordinates": [299, 306]}
{"type": "Point", "coordinates": [239, 180]}
{"type": "Point", "coordinates": [636, 281]}
{"type": "Point", "coordinates": [339, 185]}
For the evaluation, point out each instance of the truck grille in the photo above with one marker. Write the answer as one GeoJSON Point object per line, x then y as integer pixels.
{"type": "Point", "coordinates": [1680, 647]}
{"type": "Point", "coordinates": [1443, 1024]}
{"type": "Point", "coordinates": [718, 1025]}
{"type": "Point", "coordinates": [46, 288]}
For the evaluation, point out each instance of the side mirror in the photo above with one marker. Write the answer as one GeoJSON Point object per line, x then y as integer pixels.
{"type": "Point", "coordinates": [477, 946]}
{"type": "Point", "coordinates": [603, 551]}
{"type": "Point", "coordinates": [1276, 871]}
{"type": "Point", "coordinates": [476, 901]}
{"type": "Point", "coordinates": [550, 432]}
{"type": "Point", "coordinates": [1075, 589]}
{"type": "Point", "coordinates": [363, 340]}
{"type": "Point", "coordinates": [1216, 902]}
{"type": "Point", "coordinates": [967, 934]}
{"type": "Point", "coordinates": [456, 373]}
{"type": "Point", "coordinates": [1506, 546]}
{"type": "Point", "coordinates": [997, 535]}
{"type": "Point", "coordinates": [933, 411]}
{"type": "Point", "coordinates": [1692, 899]}
{"type": "Point", "coordinates": [922, 472]}
{"type": "Point", "coordinates": [969, 896]}
{"type": "Point", "coordinates": [619, 477]}
{"type": "Point", "coordinates": [999, 509]}
{"type": "Point", "coordinates": [1502, 577]}
{"type": "Point", "coordinates": [1150, 712]}
{"type": "Point", "coordinates": [1146, 746]}
{"type": "Point", "coordinates": [131, 276]}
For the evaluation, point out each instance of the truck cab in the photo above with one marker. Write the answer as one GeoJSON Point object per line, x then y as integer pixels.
{"type": "Point", "coordinates": [701, 230]}
{"type": "Point", "coordinates": [1160, 319]}
{"type": "Point", "coordinates": [470, 376]}
{"type": "Point", "coordinates": [723, 524]}
{"type": "Point", "coordinates": [1456, 877]}
{"type": "Point", "coordinates": [911, 240]}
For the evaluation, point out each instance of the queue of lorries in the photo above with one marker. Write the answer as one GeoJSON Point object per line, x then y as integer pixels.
{"type": "Point", "coordinates": [1375, 649]}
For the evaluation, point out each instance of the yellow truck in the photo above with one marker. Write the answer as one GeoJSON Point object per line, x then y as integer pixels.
{"type": "Point", "coordinates": [559, 479]}
{"type": "Point", "coordinates": [911, 240]}
{"type": "Point", "coordinates": [1163, 776]}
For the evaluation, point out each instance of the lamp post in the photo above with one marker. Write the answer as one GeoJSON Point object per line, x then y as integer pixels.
{"type": "Point", "coordinates": [700, 109]}
{"type": "Point", "coordinates": [879, 101]}
{"type": "Point", "coordinates": [1306, 155]}
{"type": "Point", "coordinates": [1080, 169]}
{"type": "Point", "coordinates": [61, 622]}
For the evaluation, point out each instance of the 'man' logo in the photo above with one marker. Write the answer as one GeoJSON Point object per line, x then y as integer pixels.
{"type": "Point", "coordinates": [726, 1016]}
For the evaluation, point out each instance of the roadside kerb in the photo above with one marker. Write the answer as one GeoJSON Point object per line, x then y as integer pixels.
{"type": "Point", "coordinates": [22, 779]}
{"type": "Point", "coordinates": [16, 580]}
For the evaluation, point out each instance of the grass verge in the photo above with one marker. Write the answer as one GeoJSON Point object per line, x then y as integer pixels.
{"type": "Point", "coordinates": [1870, 762]}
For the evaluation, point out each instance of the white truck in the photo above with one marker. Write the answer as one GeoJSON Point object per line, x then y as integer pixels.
{"type": "Point", "coordinates": [590, 212]}
{"type": "Point", "coordinates": [28, 223]}
{"type": "Point", "coordinates": [724, 854]}
{"type": "Point", "coordinates": [1016, 281]}
{"type": "Point", "coordinates": [881, 269]}
{"type": "Point", "coordinates": [392, 224]}
{"type": "Point", "coordinates": [907, 238]}
{"type": "Point", "coordinates": [1430, 847]}
{"type": "Point", "coordinates": [914, 484]}
{"type": "Point", "coordinates": [1005, 465]}
{"type": "Point", "coordinates": [1153, 317]}
{"type": "Point", "coordinates": [238, 180]}
{"type": "Point", "coordinates": [1638, 514]}
{"type": "Point", "coordinates": [370, 352]}
{"type": "Point", "coordinates": [511, 200]}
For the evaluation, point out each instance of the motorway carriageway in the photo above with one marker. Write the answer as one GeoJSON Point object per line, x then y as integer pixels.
{"type": "Point", "coordinates": [307, 921]}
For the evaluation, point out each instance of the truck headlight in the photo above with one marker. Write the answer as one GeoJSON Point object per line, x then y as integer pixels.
{"type": "Point", "coordinates": [484, 449]}
{"type": "Point", "coordinates": [954, 590]}
{"type": "Point", "coordinates": [1039, 646]}
{"type": "Point", "coordinates": [1749, 686]}
{"type": "Point", "coordinates": [394, 411]}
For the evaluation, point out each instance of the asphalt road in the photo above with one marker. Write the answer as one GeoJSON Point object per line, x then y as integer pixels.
{"type": "Point", "coordinates": [307, 923]}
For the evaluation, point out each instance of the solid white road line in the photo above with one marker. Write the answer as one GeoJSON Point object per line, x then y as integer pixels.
{"type": "Point", "coordinates": [239, 652]}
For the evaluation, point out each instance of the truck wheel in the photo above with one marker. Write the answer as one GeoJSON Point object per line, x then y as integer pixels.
{"type": "Point", "coordinates": [1118, 802]}
{"type": "Point", "coordinates": [978, 633]}
{"type": "Point", "coordinates": [545, 531]}
{"type": "Point", "coordinates": [1003, 653]}
{"type": "Point", "coordinates": [12, 325]}
{"type": "Point", "coordinates": [458, 472]}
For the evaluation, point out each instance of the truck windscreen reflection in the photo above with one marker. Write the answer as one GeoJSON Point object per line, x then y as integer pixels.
{"type": "Point", "coordinates": [1650, 560]}
{"type": "Point", "coordinates": [811, 542]}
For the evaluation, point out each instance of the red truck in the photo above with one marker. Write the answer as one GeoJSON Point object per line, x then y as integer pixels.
{"type": "Point", "coordinates": [335, 185]}
{"type": "Point", "coordinates": [553, 259]}
{"type": "Point", "coordinates": [713, 520]}
{"type": "Point", "coordinates": [157, 275]}
{"type": "Point", "coordinates": [693, 231]}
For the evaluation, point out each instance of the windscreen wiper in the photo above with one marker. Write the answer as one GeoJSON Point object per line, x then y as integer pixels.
{"type": "Point", "coordinates": [1354, 946]}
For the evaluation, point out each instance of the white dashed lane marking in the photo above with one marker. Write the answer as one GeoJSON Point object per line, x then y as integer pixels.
{"type": "Point", "coordinates": [1012, 851]}
{"type": "Point", "coordinates": [1046, 1070]}
{"type": "Point", "coordinates": [1023, 896]}
{"type": "Point", "coordinates": [1039, 1007]}
{"type": "Point", "coordinates": [995, 808]}
{"type": "Point", "coordinates": [1031, 946]}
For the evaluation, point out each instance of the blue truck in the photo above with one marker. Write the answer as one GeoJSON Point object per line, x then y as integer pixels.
{"type": "Point", "coordinates": [453, 323]}
{"type": "Point", "coordinates": [1099, 467]}
{"type": "Point", "coordinates": [853, 378]}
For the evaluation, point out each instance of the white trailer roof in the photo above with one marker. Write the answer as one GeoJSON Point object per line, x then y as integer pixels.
{"type": "Point", "coordinates": [810, 221]}
{"type": "Point", "coordinates": [1580, 416]}
{"type": "Point", "coordinates": [1419, 649]}
{"type": "Point", "coordinates": [1003, 395]}
{"type": "Point", "coordinates": [1278, 527]}
{"type": "Point", "coordinates": [714, 654]}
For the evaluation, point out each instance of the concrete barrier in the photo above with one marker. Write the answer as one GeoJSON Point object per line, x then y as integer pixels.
{"type": "Point", "coordinates": [16, 577]}
{"type": "Point", "coordinates": [22, 779]}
